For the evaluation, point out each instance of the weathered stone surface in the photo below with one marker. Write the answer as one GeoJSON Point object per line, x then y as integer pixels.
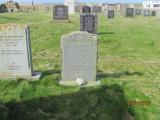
{"type": "Point", "coordinates": [15, 52]}
{"type": "Point", "coordinates": [60, 12]}
{"type": "Point", "coordinates": [79, 57]}
{"type": "Point", "coordinates": [89, 23]}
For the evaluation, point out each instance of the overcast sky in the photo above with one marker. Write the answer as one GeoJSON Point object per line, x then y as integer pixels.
{"type": "Point", "coordinates": [57, 1]}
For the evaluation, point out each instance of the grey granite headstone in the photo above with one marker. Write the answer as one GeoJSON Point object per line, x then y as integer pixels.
{"type": "Point", "coordinates": [110, 13]}
{"type": "Point", "coordinates": [130, 12]}
{"type": "Point", "coordinates": [60, 12]}
{"type": "Point", "coordinates": [15, 53]}
{"type": "Point", "coordinates": [100, 9]}
{"type": "Point", "coordinates": [86, 9]}
{"type": "Point", "coordinates": [79, 58]}
{"type": "Point", "coordinates": [89, 23]}
{"type": "Point", "coordinates": [138, 11]}
{"type": "Point", "coordinates": [77, 8]}
{"type": "Point", "coordinates": [147, 12]}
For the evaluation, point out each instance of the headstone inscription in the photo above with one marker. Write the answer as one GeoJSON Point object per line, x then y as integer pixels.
{"type": "Point", "coordinates": [130, 12]}
{"type": "Point", "coordinates": [147, 12]}
{"type": "Point", "coordinates": [79, 58]}
{"type": "Point", "coordinates": [86, 9]}
{"type": "Point", "coordinates": [110, 13]}
{"type": "Point", "coordinates": [60, 12]}
{"type": "Point", "coordinates": [89, 23]}
{"type": "Point", "coordinates": [15, 53]}
{"type": "Point", "coordinates": [138, 11]}
{"type": "Point", "coordinates": [153, 13]}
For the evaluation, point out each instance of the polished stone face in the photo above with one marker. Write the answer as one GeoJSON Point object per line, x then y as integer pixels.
{"type": "Point", "coordinates": [153, 13]}
{"type": "Point", "coordinates": [130, 12]}
{"type": "Point", "coordinates": [15, 51]}
{"type": "Point", "coordinates": [86, 9]}
{"type": "Point", "coordinates": [79, 57]}
{"type": "Point", "coordinates": [89, 23]}
{"type": "Point", "coordinates": [60, 12]}
{"type": "Point", "coordinates": [110, 13]}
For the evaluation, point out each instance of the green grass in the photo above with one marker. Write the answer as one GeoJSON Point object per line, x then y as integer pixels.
{"type": "Point", "coordinates": [128, 67]}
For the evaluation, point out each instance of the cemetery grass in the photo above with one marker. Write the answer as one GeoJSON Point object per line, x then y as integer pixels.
{"type": "Point", "coordinates": [128, 67]}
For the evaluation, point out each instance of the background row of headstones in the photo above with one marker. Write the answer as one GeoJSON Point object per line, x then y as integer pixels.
{"type": "Point", "coordinates": [11, 6]}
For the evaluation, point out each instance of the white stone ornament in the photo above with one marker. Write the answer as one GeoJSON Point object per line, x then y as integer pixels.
{"type": "Point", "coordinates": [80, 81]}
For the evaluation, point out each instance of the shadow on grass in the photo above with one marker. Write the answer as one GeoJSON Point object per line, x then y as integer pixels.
{"type": "Point", "coordinates": [101, 74]}
{"type": "Point", "coordinates": [102, 103]}
{"type": "Point", "coordinates": [50, 72]}
{"type": "Point", "coordinates": [8, 18]}
{"type": "Point", "coordinates": [104, 33]}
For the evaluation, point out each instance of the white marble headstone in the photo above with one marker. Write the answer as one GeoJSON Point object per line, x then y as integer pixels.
{"type": "Point", "coordinates": [71, 5]}
{"type": "Point", "coordinates": [15, 52]}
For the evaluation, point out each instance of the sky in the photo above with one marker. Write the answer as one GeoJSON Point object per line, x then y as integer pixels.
{"type": "Point", "coordinates": [85, 1]}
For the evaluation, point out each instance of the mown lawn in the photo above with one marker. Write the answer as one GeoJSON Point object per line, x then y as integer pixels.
{"type": "Point", "coordinates": [128, 67]}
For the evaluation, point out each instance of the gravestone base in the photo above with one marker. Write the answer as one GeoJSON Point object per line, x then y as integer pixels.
{"type": "Point", "coordinates": [62, 21]}
{"type": "Point", "coordinates": [73, 83]}
{"type": "Point", "coordinates": [36, 76]}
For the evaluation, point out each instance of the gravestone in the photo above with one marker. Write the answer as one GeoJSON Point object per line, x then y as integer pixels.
{"type": "Point", "coordinates": [158, 14]}
{"type": "Point", "coordinates": [95, 9]}
{"type": "Point", "coordinates": [100, 9]}
{"type": "Point", "coordinates": [153, 13]}
{"type": "Point", "coordinates": [89, 23]}
{"type": "Point", "coordinates": [86, 9]}
{"type": "Point", "coordinates": [110, 13]}
{"type": "Point", "coordinates": [138, 11]}
{"type": "Point", "coordinates": [15, 53]}
{"type": "Point", "coordinates": [146, 12]}
{"type": "Point", "coordinates": [71, 6]}
{"type": "Point", "coordinates": [77, 8]}
{"type": "Point", "coordinates": [79, 58]}
{"type": "Point", "coordinates": [60, 12]}
{"type": "Point", "coordinates": [130, 12]}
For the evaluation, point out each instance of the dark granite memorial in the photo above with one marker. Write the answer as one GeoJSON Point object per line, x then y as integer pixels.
{"type": "Point", "coordinates": [130, 12]}
{"type": "Point", "coordinates": [153, 13]}
{"type": "Point", "coordinates": [110, 13]}
{"type": "Point", "coordinates": [86, 9]}
{"type": "Point", "coordinates": [89, 23]}
{"type": "Point", "coordinates": [60, 12]}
